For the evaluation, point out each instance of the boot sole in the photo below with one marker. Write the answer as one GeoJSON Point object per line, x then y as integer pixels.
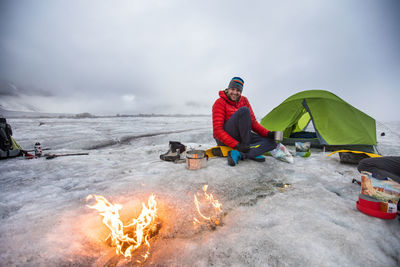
{"type": "Point", "coordinates": [169, 158]}
{"type": "Point", "coordinates": [231, 162]}
{"type": "Point", "coordinates": [259, 160]}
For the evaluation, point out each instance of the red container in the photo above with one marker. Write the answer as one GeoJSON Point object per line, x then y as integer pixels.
{"type": "Point", "coordinates": [375, 205]}
{"type": "Point", "coordinates": [373, 208]}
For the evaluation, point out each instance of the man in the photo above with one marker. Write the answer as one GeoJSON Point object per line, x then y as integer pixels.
{"type": "Point", "coordinates": [235, 125]}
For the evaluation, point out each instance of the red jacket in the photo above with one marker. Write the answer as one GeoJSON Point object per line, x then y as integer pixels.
{"type": "Point", "coordinates": [223, 109]}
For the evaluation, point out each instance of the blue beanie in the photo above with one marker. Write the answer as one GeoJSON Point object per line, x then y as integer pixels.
{"type": "Point", "coordinates": [237, 83]}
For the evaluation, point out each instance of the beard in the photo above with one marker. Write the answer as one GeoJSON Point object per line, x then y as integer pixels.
{"type": "Point", "coordinates": [229, 97]}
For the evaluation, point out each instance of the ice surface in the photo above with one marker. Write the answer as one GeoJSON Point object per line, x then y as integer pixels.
{"type": "Point", "coordinates": [314, 222]}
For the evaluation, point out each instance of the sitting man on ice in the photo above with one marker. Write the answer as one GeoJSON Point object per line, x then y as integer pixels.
{"type": "Point", "coordinates": [235, 125]}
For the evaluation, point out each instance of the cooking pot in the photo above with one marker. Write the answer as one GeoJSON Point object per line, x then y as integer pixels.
{"type": "Point", "coordinates": [196, 159]}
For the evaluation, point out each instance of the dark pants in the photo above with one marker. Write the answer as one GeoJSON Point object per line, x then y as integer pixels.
{"type": "Point", "coordinates": [239, 127]}
{"type": "Point", "coordinates": [382, 167]}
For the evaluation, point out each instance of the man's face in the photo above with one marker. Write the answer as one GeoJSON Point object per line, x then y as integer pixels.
{"type": "Point", "coordinates": [234, 94]}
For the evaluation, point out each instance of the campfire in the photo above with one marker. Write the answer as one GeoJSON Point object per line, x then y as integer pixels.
{"type": "Point", "coordinates": [209, 210]}
{"type": "Point", "coordinates": [132, 236]}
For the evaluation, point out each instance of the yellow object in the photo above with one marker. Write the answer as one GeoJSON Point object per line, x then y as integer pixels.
{"type": "Point", "coordinates": [371, 155]}
{"type": "Point", "coordinates": [223, 149]}
{"type": "Point", "coordinates": [15, 145]}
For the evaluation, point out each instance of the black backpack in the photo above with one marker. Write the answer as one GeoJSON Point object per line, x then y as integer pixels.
{"type": "Point", "coordinates": [7, 147]}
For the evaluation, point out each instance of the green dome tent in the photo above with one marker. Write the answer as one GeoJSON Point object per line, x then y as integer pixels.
{"type": "Point", "coordinates": [337, 124]}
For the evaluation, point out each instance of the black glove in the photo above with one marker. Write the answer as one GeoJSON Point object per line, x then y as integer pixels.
{"type": "Point", "coordinates": [242, 147]}
{"type": "Point", "coordinates": [271, 135]}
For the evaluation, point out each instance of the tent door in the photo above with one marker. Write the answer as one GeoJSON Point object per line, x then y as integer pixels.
{"type": "Point", "coordinates": [320, 138]}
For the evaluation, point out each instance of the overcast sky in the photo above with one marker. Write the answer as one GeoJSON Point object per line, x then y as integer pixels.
{"type": "Point", "coordinates": [171, 56]}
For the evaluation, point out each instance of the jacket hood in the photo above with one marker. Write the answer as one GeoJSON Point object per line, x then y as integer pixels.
{"type": "Point", "coordinates": [226, 98]}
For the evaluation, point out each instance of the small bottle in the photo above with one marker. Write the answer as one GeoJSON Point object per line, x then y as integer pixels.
{"type": "Point", "coordinates": [38, 149]}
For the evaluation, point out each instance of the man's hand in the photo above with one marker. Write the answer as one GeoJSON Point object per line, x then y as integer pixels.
{"type": "Point", "coordinates": [271, 135]}
{"type": "Point", "coordinates": [242, 147]}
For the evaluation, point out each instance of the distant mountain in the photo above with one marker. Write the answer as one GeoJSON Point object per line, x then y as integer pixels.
{"type": "Point", "coordinates": [31, 114]}
{"type": "Point", "coordinates": [17, 97]}
{"type": "Point", "coordinates": [8, 89]}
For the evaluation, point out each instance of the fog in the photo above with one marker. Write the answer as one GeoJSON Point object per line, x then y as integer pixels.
{"type": "Point", "coordinates": [172, 56]}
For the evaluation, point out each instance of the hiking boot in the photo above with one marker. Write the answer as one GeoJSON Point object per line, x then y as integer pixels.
{"type": "Point", "coordinates": [259, 158]}
{"type": "Point", "coordinates": [174, 152]}
{"type": "Point", "coordinates": [216, 151]}
{"type": "Point", "coordinates": [233, 157]}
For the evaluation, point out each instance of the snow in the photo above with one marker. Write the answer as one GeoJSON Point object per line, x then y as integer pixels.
{"type": "Point", "coordinates": [314, 222]}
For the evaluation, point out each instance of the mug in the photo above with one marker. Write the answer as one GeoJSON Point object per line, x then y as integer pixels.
{"type": "Point", "coordinates": [278, 136]}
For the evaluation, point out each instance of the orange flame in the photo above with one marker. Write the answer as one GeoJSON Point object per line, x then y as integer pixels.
{"type": "Point", "coordinates": [214, 218]}
{"type": "Point", "coordinates": [124, 241]}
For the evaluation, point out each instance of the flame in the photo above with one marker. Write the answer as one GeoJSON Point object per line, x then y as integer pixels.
{"type": "Point", "coordinates": [122, 237]}
{"type": "Point", "coordinates": [284, 187]}
{"type": "Point", "coordinates": [211, 204]}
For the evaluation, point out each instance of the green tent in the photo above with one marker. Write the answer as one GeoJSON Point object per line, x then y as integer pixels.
{"type": "Point", "coordinates": [337, 124]}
